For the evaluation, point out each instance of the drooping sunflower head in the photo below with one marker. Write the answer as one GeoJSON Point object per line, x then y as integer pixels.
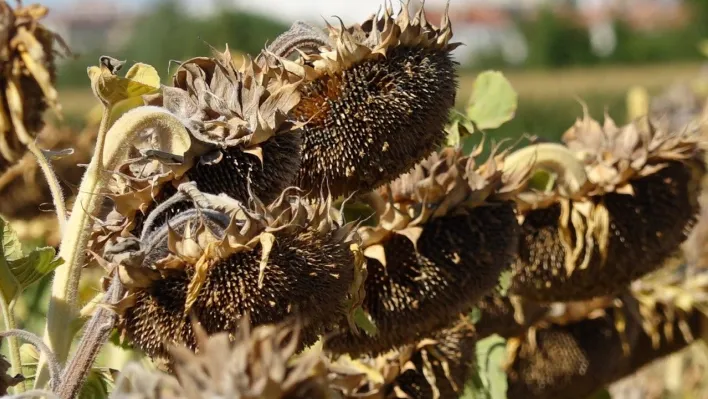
{"type": "Point", "coordinates": [221, 260]}
{"type": "Point", "coordinates": [241, 136]}
{"type": "Point", "coordinates": [632, 202]}
{"type": "Point", "coordinates": [375, 97]}
{"type": "Point", "coordinates": [435, 367]}
{"type": "Point", "coordinates": [445, 233]}
{"type": "Point", "coordinates": [239, 121]}
{"type": "Point", "coordinates": [255, 362]}
{"type": "Point", "coordinates": [28, 73]}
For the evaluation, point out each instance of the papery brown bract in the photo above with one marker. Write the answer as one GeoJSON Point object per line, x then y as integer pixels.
{"type": "Point", "coordinates": [576, 358]}
{"type": "Point", "coordinates": [250, 363]}
{"type": "Point", "coordinates": [243, 114]}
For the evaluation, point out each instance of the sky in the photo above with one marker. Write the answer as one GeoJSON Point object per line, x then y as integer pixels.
{"type": "Point", "coordinates": [282, 9]}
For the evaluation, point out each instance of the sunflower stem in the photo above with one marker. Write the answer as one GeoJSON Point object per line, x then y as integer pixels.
{"type": "Point", "coordinates": [112, 148]}
{"type": "Point", "coordinates": [96, 334]}
{"type": "Point", "coordinates": [53, 183]}
{"type": "Point", "coordinates": [12, 342]}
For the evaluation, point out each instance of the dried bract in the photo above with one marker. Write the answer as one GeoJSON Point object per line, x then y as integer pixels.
{"type": "Point", "coordinates": [260, 363]}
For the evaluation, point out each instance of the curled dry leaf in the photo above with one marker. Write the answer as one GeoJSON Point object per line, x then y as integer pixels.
{"type": "Point", "coordinates": [6, 380]}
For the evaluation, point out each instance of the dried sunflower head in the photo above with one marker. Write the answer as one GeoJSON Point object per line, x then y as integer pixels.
{"type": "Point", "coordinates": [445, 232]}
{"type": "Point", "coordinates": [259, 363]}
{"type": "Point", "coordinates": [635, 201]}
{"type": "Point", "coordinates": [240, 131]}
{"type": "Point", "coordinates": [27, 82]}
{"type": "Point", "coordinates": [662, 315]}
{"type": "Point", "coordinates": [436, 367]}
{"type": "Point", "coordinates": [220, 261]}
{"type": "Point", "coordinates": [375, 99]}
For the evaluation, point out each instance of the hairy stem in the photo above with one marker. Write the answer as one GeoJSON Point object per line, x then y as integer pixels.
{"type": "Point", "coordinates": [13, 346]}
{"type": "Point", "coordinates": [54, 187]}
{"type": "Point", "coordinates": [36, 341]}
{"type": "Point", "coordinates": [112, 148]}
{"type": "Point", "coordinates": [96, 334]}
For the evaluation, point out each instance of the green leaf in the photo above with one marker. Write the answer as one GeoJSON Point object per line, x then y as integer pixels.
{"type": "Point", "coordinates": [364, 321]}
{"type": "Point", "coordinates": [504, 282]}
{"type": "Point", "coordinates": [19, 271]}
{"type": "Point", "coordinates": [97, 384]}
{"type": "Point", "coordinates": [111, 89]}
{"type": "Point", "coordinates": [493, 101]}
{"type": "Point", "coordinates": [491, 354]}
{"type": "Point", "coordinates": [475, 315]}
{"type": "Point", "coordinates": [542, 180]}
{"type": "Point", "coordinates": [457, 130]}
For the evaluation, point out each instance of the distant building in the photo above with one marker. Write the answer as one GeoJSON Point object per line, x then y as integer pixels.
{"type": "Point", "coordinates": [486, 25]}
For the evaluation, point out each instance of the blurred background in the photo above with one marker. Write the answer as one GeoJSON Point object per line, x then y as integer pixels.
{"type": "Point", "coordinates": [554, 52]}
{"type": "Point", "coordinates": [551, 50]}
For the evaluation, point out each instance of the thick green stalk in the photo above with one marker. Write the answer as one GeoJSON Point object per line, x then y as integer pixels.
{"type": "Point", "coordinates": [12, 342]}
{"type": "Point", "coordinates": [112, 148]}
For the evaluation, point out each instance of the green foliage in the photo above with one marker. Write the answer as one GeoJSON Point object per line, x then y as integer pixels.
{"type": "Point", "coordinates": [555, 41]}
{"type": "Point", "coordinates": [601, 394]}
{"type": "Point", "coordinates": [493, 102]}
{"type": "Point", "coordinates": [180, 36]}
{"type": "Point", "coordinates": [18, 270]}
{"type": "Point", "coordinates": [490, 382]}
{"type": "Point", "coordinates": [98, 384]}
{"type": "Point", "coordinates": [365, 322]}
{"type": "Point", "coordinates": [548, 119]}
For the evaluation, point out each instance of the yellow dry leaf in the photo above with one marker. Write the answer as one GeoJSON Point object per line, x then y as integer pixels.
{"type": "Point", "coordinates": [110, 88]}
{"type": "Point", "coordinates": [376, 252]}
{"type": "Point", "coordinates": [267, 240]}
